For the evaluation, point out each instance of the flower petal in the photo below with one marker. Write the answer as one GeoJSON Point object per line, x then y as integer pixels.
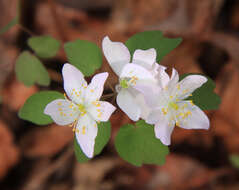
{"type": "Point", "coordinates": [189, 84]}
{"type": "Point", "coordinates": [128, 104]}
{"type": "Point", "coordinates": [63, 112]}
{"type": "Point", "coordinates": [163, 131]}
{"type": "Point", "coordinates": [74, 83]}
{"type": "Point", "coordinates": [116, 53]}
{"type": "Point", "coordinates": [132, 70]}
{"type": "Point", "coordinates": [145, 58]}
{"type": "Point", "coordinates": [95, 88]}
{"type": "Point", "coordinates": [101, 111]}
{"type": "Point", "coordinates": [163, 77]}
{"type": "Point", "coordinates": [174, 78]}
{"type": "Point", "coordinates": [171, 88]}
{"type": "Point", "coordinates": [164, 125]}
{"type": "Point", "coordinates": [143, 106]}
{"type": "Point", "coordinates": [86, 132]}
{"type": "Point", "coordinates": [191, 116]}
{"type": "Point", "coordinates": [150, 91]}
{"type": "Point", "coordinates": [154, 116]}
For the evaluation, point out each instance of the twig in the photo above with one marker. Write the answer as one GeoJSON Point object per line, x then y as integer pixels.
{"type": "Point", "coordinates": [23, 28]}
{"type": "Point", "coordinates": [106, 96]}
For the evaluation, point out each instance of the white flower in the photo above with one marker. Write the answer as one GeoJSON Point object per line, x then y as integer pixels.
{"type": "Point", "coordinates": [133, 77]}
{"type": "Point", "coordinates": [83, 109]}
{"type": "Point", "coordinates": [170, 107]}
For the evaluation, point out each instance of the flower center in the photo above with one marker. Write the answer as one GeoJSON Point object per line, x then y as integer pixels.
{"type": "Point", "coordinates": [173, 105]}
{"type": "Point", "coordinates": [81, 108]}
{"type": "Point", "coordinates": [124, 83]}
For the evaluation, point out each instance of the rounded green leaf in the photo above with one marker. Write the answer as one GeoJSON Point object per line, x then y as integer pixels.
{"type": "Point", "coordinates": [86, 56]}
{"type": "Point", "coordinates": [29, 70]}
{"type": "Point", "coordinates": [152, 39]}
{"type": "Point", "coordinates": [33, 109]}
{"type": "Point", "coordinates": [138, 145]}
{"type": "Point", "coordinates": [44, 46]}
{"type": "Point", "coordinates": [103, 136]}
{"type": "Point", "coordinates": [205, 97]}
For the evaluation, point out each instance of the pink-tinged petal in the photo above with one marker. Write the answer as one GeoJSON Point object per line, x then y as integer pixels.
{"type": "Point", "coordinates": [116, 53]}
{"type": "Point", "coordinates": [189, 84]}
{"type": "Point", "coordinates": [163, 130]}
{"type": "Point", "coordinates": [138, 72]}
{"type": "Point", "coordinates": [128, 104]}
{"type": "Point", "coordinates": [74, 83]}
{"type": "Point", "coordinates": [191, 116]}
{"type": "Point", "coordinates": [63, 112]}
{"type": "Point", "coordinates": [95, 88]}
{"type": "Point", "coordinates": [86, 132]}
{"type": "Point", "coordinates": [145, 58]}
{"type": "Point", "coordinates": [101, 110]}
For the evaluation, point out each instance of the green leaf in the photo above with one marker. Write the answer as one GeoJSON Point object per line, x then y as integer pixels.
{"type": "Point", "coordinates": [34, 107]}
{"type": "Point", "coordinates": [103, 136]}
{"type": "Point", "coordinates": [12, 23]}
{"type": "Point", "coordinates": [44, 46]}
{"type": "Point", "coordinates": [85, 55]}
{"type": "Point", "coordinates": [234, 159]}
{"type": "Point", "coordinates": [138, 145]}
{"type": "Point", "coordinates": [29, 70]}
{"type": "Point", "coordinates": [205, 97]}
{"type": "Point", "coordinates": [152, 39]}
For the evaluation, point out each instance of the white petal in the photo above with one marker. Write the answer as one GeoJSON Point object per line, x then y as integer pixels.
{"type": "Point", "coordinates": [128, 104]}
{"type": "Point", "coordinates": [133, 70]}
{"type": "Point", "coordinates": [192, 117]}
{"type": "Point", "coordinates": [171, 88]}
{"type": "Point", "coordinates": [74, 83]}
{"type": "Point", "coordinates": [155, 69]}
{"type": "Point", "coordinates": [63, 112]}
{"type": "Point", "coordinates": [95, 88]}
{"type": "Point", "coordinates": [154, 116]}
{"type": "Point", "coordinates": [163, 76]}
{"type": "Point", "coordinates": [174, 78]}
{"type": "Point", "coordinates": [116, 53]}
{"type": "Point", "coordinates": [86, 132]}
{"type": "Point", "coordinates": [145, 58]}
{"type": "Point", "coordinates": [144, 107]}
{"type": "Point", "coordinates": [163, 131]}
{"type": "Point", "coordinates": [150, 91]}
{"type": "Point", "coordinates": [163, 125]}
{"type": "Point", "coordinates": [101, 111]}
{"type": "Point", "coordinates": [189, 84]}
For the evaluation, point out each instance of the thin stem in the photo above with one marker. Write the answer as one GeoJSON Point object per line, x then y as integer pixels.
{"type": "Point", "coordinates": [106, 96]}
{"type": "Point", "coordinates": [23, 28]}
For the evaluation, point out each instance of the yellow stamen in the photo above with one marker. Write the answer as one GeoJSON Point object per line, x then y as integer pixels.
{"type": "Point", "coordinates": [191, 102]}
{"type": "Point", "coordinates": [83, 130]}
{"type": "Point", "coordinates": [165, 111]}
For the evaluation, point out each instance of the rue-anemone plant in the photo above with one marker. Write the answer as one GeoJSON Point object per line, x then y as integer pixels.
{"type": "Point", "coordinates": [153, 100]}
